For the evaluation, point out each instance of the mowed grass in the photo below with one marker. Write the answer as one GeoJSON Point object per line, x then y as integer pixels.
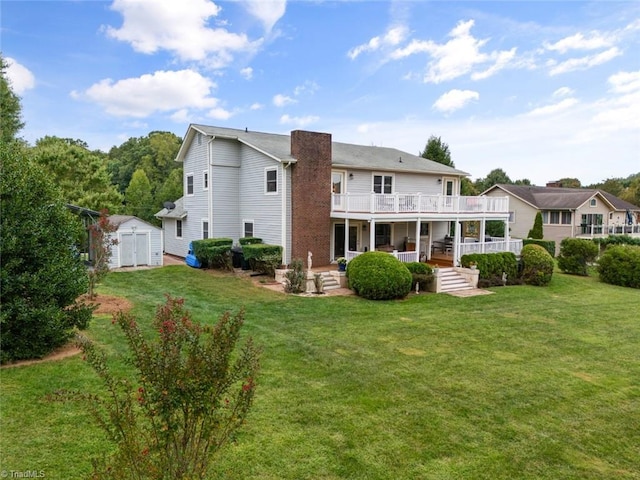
{"type": "Point", "coordinates": [527, 383]}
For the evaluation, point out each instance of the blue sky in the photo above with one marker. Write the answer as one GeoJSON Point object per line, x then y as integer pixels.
{"type": "Point", "coordinates": [543, 90]}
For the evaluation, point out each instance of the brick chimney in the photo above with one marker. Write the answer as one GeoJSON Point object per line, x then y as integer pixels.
{"type": "Point", "coordinates": [311, 196]}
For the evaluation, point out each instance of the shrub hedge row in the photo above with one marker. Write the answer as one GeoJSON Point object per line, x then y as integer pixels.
{"type": "Point", "coordinates": [620, 265]}
{"type": "Point", "coordinates": [491, 267]}
{"type": "Point", "coordinates": [616, 240]}
{"type": "Point", "coordinates": [421, 274]}
{"type": "Point", "coordinates": [262, 257]}
{"type": "Point", "coordinates": [213, 252]}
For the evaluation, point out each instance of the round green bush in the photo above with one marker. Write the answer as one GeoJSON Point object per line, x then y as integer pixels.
{"type": "Point", "coordinates": [537, 265]}
{"type": "Point", "coordinates": [576, 254]}
{"type": "Point", "coordinates": [378, 276]}
{"type": "Point", "coordinates": [620, 265]}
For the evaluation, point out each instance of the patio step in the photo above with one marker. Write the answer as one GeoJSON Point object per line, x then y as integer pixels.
{"type": "Point", "coordinates": [330, 282]}
{"type": "Point", "coordinates": [452, 281]}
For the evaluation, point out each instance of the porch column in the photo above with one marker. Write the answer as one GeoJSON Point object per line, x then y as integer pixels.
{"type": "Point", "coordinates": [417, 239]}
{"type": "Point", "coordinates": [456, 244]}
{"type": "Point", "coordinates": [372, 235]}
{"type": "Point", "coordinates": [346, 238]}
{"type": "Point", "coordinates": [482, 234]}
{"type": "Point", "coordinates": [506, 235]}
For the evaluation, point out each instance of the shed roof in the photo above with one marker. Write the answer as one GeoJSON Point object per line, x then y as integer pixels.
{"type": "Point", "coordinates": [177, 212]}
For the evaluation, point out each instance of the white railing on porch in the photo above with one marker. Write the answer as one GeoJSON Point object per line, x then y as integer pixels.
{"type": "Point", "coordinates": [405, 257]}
{"type": "Point", "coordinates": [494, 246]}
{"type": "Point", "coordinates": [416, 203]}
{"type": "Point", "coordinates": [601, 230]}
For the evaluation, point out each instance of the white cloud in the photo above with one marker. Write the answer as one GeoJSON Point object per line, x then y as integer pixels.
{"type": "Point", "coordinates": [309, 87]}
{"type": "Point", "coordinates": [625, 82]}
{"type": "Point", "coordinates": [459, 56]}
{"type": "Point", "coordinates": [281, 100]}
{"type": "Point", "coordinates": [219, 114]}
{"type": "Point", "coordinates": [454, 100]}
{"type": "Point", "coordinates": [563, 92]}
{"type": "Point", "coordinates": [180, 28]}
{"type": "Point", "coordinates": [20, 77]}
{"type": "Point", "coordinates": [555, 108]}
{"type": "Point", "coordinates": [393, 36]}
{"type": "Point", "coordinates": [162, 91]}
{"type": "Point", "coordinates": [268, 12]}
{"type": "Point", "coordinates": [298, 121]}
{"type": "Point", "coordinates": [247, 73]}
{"type": "Point", "coordinates": [256, 106]}
{"type": "Point", "coordinates": [584, 63]}
{"type": "Point", "coordinates": [594, 41]}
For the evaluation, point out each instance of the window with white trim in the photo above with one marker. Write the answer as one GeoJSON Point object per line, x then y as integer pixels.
{"type": "Point", "coordinates": [556, 217]}
{"type": "Point", "coordinates": [383, 184]}
{"type": "Point", "coordinates": [271, 180]}
{"type": "Point", "coordinates": [593, 202]}
{"type": "Point", "coordinates": [189, 184]}
{"type": "Point", "coordinates": [512, 217]}
{"type": "Point", "coordinates": [178, 228]}
{"type": "Point", "coordinates": [205, 229]}
{"type": "Point", "coordinates": [205, 180]}
{"type": "Point", "coordinates": [247, 228]}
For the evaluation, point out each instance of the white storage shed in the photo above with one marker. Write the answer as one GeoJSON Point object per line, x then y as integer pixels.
{"type": "Point", "coordinates": [139, 243]}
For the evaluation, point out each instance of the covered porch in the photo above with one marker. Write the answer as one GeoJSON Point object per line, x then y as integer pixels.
{"type": "Point", "coordinates": [426, 239]}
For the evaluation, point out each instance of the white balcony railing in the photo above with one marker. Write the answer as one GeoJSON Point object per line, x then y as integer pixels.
{"type": "Point", "coordinates": [416, 203]}
{"type": "Point", "coordinates": [604, 230]}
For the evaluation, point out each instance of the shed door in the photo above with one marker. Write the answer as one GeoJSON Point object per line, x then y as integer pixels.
{"type": "Point", "coordinates": [126, 250]}
{"type": "Point", "coordinates": [142, 249]}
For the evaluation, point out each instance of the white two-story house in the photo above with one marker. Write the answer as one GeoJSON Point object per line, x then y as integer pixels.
{"type": "Point", "coordinates": [309, 194]}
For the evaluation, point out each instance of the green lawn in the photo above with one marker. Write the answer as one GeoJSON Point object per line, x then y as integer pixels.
{"type": "Point", "coordinates": [527, 383]}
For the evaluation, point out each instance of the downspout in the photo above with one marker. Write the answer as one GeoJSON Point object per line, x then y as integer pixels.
{"type": "Point", "coordinates": [284, 222]}
{"type": "Point", "coordinates": [210, 189]}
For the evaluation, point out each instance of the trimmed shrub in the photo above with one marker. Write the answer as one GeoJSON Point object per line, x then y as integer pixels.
{"type": "Point", "coordinates": [378, 276]}
{"type": "Point", "coordinates": [548, 245]}
{"type": "Point", "coordinates": [295, 278]}
{"type": "Point", "coordinates": [213, 252]}
{"type": "Point", "coordinates": [537, 265]}
{"type": "Point", "coordinates": [492, 266]}
{"type": "Point", "coordinates": [616, 240]}
{"type": "Point", "coordinates": [249, 241]}
{"type": "Point", "coordinates": [536, 232]}
{"type": "Point", "coordinates": [620, 265]}
{"type": "Point", "coordinates": [421, 273]}
{"type": "Point", "coordinates": [575, 254]}
{"type": "Point", "coordinates": [262, 257]}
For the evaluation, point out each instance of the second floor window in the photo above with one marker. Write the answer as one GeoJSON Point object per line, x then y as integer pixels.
{"type": "Point", "coordinates": [383, 184]}
{"type": "Point", "coordinates": [190, 184]}
{"type": "Point", "coordinates": [271, 179]}
{"type": "Point", "coordinates": [205, 180]}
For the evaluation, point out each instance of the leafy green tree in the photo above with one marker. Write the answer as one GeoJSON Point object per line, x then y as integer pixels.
{"type": "Point", "coordinates": [631, 194]}
{"type": "Point", "coordinates": [80, 173]}
{"type": "Point", "coordinates": [536, 232]}
{"type": "Point", "coordinates": [171, 189]}
{"type": "Point", "coordinates": [438, 151]}
{"type": "Point", "coordinates": [41, 273]}
{"type": "Point", "coordinates": [10, 109]}
{"type": "Point", "coordinates": [467, 188]}
{"type": "Point", "coordinates": [495, 177]}
{"type": "Point", "coordinates": [138, 197]}
{"type": "Point", "coordinates": [569, 183]}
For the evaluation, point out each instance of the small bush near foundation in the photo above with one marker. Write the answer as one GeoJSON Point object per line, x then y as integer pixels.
{"type": "Point", "coordinates": [493, 267]}
{"type": "Point", "coordinates": [537, 265]}
{"type": "Point", "coordinates": [378, 276]}
{"type": "Point", "coordinates": [295, 278]}
{"type": "Point", "coordinates": [421, 274]}
{"type": "Point", "coordinates": [576, 254]}
{"type": "Point", "coordinates": [620, 265]}
{"type": "Point", "coordinates": [213, 252]}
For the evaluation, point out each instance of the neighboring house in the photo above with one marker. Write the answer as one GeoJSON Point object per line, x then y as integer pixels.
{"type": "Point", "coordinates": [567, 212]}
{"type": "Point", "coordinates": [309, 194]}
{"type": "Point", "coordinates": [139, 242]}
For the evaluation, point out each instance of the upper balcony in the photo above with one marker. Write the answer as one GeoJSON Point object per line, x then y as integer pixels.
{"type": "Point", "coordinates": [416, 203]}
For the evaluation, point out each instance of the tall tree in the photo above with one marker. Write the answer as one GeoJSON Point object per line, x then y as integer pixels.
{"type": "Point", "coordinates": [41, 274]}
{"type": "Point", "coordinates": [569, 182]}
{"type": "Point", "coordinates": [80, 173]}
{"type": "Point", "coordinates": [10, 109]}
{"type": "Point", "coordinates": [438, 151]}
{"type": "Point", "coordinates": [171, 189]}
{"type": "Point", "coordinates": [494, 177]}
{"type": "Point", "coordinates": [138, 197]}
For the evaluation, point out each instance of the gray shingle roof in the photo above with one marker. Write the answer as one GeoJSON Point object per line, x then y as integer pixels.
{"type": "Point", "coordinates": [177, 212]}
{"type": "Point", "coordinates": [344, 154]}
{"type": "Point", "coordinates": [557, 198]}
